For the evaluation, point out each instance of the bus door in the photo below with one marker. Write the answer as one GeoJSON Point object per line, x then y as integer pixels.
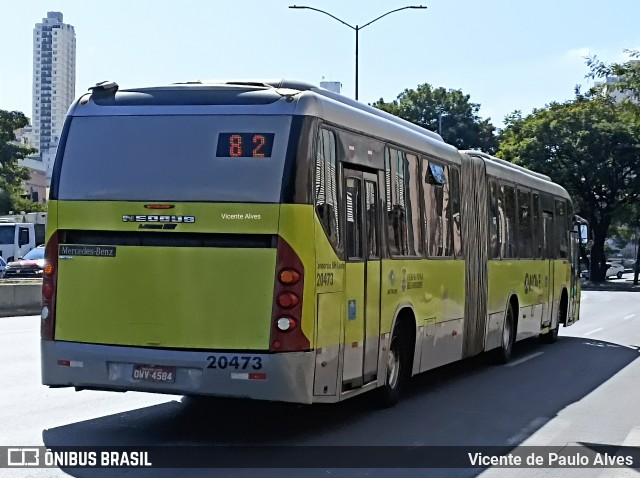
{"type": "Point", "coordinates": [362, 279]}
{"type": "Point", "coordinates": [574, 255]}
{"type": "Point", "coordinates": [549, 254]}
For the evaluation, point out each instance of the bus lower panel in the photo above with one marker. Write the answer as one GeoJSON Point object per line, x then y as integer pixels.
{"type": "Point", "coordinates": [286, 377]}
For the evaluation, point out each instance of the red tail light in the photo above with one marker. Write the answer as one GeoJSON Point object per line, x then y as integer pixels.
{"type": "Point", "coordinates": [49, 282]}
{"type": "Point", "coordinates": [286, 300]}
{"type": "Point", "coordinates": [286, 330]}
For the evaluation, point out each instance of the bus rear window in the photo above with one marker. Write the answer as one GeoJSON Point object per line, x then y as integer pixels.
{"type": "Point", "coordinates": [174, 158]}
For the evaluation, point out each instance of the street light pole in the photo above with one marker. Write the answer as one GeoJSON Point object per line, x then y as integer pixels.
{"type": "Point", "coordinates": [357, 28]}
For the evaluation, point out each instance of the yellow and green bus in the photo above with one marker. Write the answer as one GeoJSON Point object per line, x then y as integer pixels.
{"type": "Point", "coordinates": [277, 241]}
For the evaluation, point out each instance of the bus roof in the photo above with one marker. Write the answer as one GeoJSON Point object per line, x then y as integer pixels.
{"type": "Point", "coordinates": [270, 97]}
{"type": "Point", "coordinates": [502, 169]}
{"type": "Point", "coordinates": [289, 97]}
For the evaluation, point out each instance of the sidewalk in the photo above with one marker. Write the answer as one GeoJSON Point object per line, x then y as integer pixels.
{"type": "Point", "coordinates": [621, 285]}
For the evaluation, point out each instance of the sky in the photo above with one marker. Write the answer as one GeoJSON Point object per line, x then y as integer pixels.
{"type": "Point", "coordinates": [506, 54]}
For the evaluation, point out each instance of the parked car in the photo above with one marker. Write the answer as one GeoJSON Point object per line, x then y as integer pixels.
{"type": "Point", "coordinates": [31, 265]}
{"type": "Point", "coordinates": [614, 269]}
{"type": "Point", "coordinates": [3, 266]}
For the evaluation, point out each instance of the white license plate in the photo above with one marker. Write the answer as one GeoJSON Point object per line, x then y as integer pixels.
{"type": "Point", "coordinates": [154, 373]}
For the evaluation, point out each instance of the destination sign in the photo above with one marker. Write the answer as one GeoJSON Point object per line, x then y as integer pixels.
{"type": "Point", "coordinates": [245, 145]}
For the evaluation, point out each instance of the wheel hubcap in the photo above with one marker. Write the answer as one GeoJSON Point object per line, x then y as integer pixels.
{"type": "Point", "coordinates": [506, 334]}
{"type": "Point", "coordinates": [393, 367]}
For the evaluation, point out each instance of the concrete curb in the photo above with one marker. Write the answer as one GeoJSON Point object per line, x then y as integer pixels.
{"type": "Point", "coordinates": [21, 298]}
{"type": "Point", "coordinates": [626, 286]}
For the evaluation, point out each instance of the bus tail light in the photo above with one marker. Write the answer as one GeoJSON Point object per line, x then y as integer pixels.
{"type": "Point", "coordinates": [289, 276]}
{"type": "Point", "coordinates": [286, 330]}
{"type": "Point", "coordinates": [286, 300]}
{"type": "Point", "coordinates": [49, 282]}
{"type": "Point", "coordinates": [286, 324]}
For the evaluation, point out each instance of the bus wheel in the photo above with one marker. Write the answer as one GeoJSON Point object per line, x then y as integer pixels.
{"type": "Point", "coordinates": [551, 336]}
{"type": "Point", "coordinates": [503, 353]}
{"type": "Point", "coordinates": [390, 391]}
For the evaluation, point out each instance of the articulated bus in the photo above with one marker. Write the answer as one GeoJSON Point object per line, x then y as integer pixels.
{"type": "Point", "coordinates": [277, 241]}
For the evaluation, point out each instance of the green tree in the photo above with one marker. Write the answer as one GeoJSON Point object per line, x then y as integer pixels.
{"type": "Point", "coordinates": [627, 73]}
{"type": "Point", "coordinates": [590, 145]}
{"type": "Point", "coordinates": [11, 174]}
{"type": "Point", "coordinates": [434, 107]}
{"type": "Point", "coordinates": [627, 81]}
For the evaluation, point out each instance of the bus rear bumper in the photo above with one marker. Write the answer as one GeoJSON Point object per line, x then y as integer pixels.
{"type": "Point", "coordinates": [284, 377]}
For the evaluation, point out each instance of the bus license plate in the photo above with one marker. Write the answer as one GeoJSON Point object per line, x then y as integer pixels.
{"type": "Point", "coordinates": [154, 373]}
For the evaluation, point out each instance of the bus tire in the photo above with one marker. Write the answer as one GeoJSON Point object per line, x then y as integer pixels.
{"type": "Point", "coordinates": [389, 393]}
{"type": "Point", "coordinates": [551, 336]}
{"type": "Point", "coordinates": [504, 352]}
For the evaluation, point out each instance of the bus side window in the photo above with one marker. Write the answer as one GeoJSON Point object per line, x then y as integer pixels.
{"type": "Point", "coordinates": [561, 230]}
{"type": "Point", "coordinates": [537, 228]}
{"type": "Point", "coordinates": [456, 211]}
{"type": "Point", "coordinates": [524, 225]}
{"type": "Point", "coordinates": [398, 214]}
{"type": "Point", "coordinates": [354, 220]}
{"type": "Point", "coordinates": [412, 192]}
{"type": "Point", "coordinates": [494, 221]}
{"type": "Point", "coordinates": [509, 210]}
{"type": "Point", "coordinates": [437, 207]}
{"type": "Point", "coordinates": [326, 190]}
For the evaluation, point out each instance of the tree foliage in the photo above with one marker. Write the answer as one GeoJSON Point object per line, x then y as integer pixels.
{"type": "Point", "coordinates": [627, 74]}
{"type": "Point", "coordinates": [11, 174]}
{"type": "Point", "coordinates": [591, 146]}
{"type": "Point", "coordinates": [627, 82]}
{"type": "Point", "coordinates": [428, 107]}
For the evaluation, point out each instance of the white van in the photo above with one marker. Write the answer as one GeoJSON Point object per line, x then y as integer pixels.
{"type": "Point", "coordinates": [16, 239]}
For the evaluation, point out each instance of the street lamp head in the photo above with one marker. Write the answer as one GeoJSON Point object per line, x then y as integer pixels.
{"type": "Point", "coordinates": [357, 28]}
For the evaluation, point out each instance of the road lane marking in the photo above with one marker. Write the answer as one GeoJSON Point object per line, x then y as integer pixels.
{"type": "Point", "coordinates": [533, 426]}
{"type": "Point", "coordinates": [524, 359]}
{"type": "Point", "coordinates": [594, 331]}
{"type": "Point", "coordinates": [629, 317]}
{"type": "Point", "coordinates": [547, 433]}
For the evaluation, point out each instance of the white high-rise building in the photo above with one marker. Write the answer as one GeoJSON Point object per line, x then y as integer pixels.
{"type": "Point", "coordinates": [54, 78]}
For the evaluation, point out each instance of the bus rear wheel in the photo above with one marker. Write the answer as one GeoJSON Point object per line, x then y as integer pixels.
{"type": "Point", "coordinates": [504, 352]}
{"type": "Point", "coordinates": [551, 336]}
{"type": "Point", "coordinates": [389, 393]}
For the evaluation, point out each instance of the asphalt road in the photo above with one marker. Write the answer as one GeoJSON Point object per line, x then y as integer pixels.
{"type": "Point", "coordinates": [584, 389]}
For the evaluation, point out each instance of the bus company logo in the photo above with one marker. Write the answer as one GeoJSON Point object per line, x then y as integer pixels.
{"type": "Point", "coordinates": [160, 219]}
{"type": "Point", "coordinates": [23, 457]}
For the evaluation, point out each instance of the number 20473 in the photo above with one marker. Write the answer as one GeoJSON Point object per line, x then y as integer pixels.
{"type": "Point", "coordinates": [324, 279]}
{"type": "Point", "coordinates": [236, 362]}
